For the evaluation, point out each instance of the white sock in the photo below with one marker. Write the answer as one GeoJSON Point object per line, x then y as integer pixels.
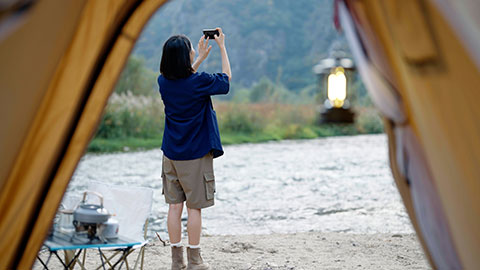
{"type": "Point", "coordinates": [192, 246]}
{"type": "Point", "coordinates": [179, 244]}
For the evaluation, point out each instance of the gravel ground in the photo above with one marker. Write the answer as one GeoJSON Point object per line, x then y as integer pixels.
{"type": "Point", "coordinates": [311, 250]}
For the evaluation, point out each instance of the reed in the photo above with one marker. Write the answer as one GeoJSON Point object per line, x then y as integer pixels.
{"type": "Point", "coordinates": [133, 122]}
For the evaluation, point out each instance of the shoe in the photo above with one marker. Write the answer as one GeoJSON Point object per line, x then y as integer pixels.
{"type": "Point", "coordinates": [177, 259]}
{"type": "Point", "coordinates": [195, 261]}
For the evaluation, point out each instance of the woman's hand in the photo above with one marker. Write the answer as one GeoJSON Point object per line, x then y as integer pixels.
{"type": "Point", "coordinates": [203, 51]}
{"type": "Point", "coordinates": [220, 38]}
{"type": "Point", "coordinates": [203, 48]}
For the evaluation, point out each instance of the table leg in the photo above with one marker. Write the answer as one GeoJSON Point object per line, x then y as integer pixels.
{"type": "Point", "coordinates": [69, 263]}
{"type": "Point", "coordinates": [69, 255]}
{"type": "Point", "coordinates": [107, 259]}
{"type": "Point", "coordinates": [46, 263]}
{"type": "Point", "coordinates": [84, 255]}
{"type": "Point", "coordinates": [60, 259]}
{"type": "Point", "coordinates": [101, 258]}
{"type": "Point", "coordinates": [74, 258]}
{"type": "Point", "coordinates": [81, 263]}
{"type": "Point", "coordinates": [122, 258]}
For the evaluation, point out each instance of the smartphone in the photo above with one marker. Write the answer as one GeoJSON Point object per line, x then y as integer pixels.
{"type": "Point", "coordinates": [210, 33]}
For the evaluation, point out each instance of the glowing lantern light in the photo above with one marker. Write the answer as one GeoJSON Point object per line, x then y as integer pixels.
{"type": "Point", "coordinates": [334, 76]}
{"type": "Point", "coordinates": [337, 87]}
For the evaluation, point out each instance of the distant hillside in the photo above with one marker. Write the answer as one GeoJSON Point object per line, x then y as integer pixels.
{"type": "Point", "coordinates": [277, 39]}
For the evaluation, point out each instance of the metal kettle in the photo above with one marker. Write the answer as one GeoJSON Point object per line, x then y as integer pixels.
{"type": "Point", "coordinates": [91, 213]}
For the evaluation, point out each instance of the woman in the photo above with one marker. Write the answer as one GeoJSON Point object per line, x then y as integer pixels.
{"type": "Point", "coordinates": [191, 138]}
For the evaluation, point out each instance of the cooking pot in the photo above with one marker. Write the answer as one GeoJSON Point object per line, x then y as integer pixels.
{"type": "Point", "coordinates": [109, 229]}
{"type": "Point", "coordinates": [90, 213]}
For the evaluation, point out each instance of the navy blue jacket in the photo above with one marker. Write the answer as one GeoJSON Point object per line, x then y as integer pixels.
{"type": "Point", "coordinates": [191, 129]}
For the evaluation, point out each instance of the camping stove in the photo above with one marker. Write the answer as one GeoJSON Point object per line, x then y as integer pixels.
{"type": "Point", "coordinates": [87, 230]}
{"type": "Point", "coordinates": [88, 219]}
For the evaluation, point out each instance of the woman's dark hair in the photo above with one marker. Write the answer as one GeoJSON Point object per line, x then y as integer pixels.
{"type": "Point", "coordinates": [176, 63]}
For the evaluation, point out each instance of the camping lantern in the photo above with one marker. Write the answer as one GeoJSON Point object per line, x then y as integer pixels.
{"type": "Point", "coordinates": [334, 76]}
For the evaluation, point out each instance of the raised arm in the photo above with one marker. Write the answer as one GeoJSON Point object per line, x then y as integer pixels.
{"type": "Point", "coordinates": [203, 51]}
{"type": "Point", "coordinates": [220, 39]}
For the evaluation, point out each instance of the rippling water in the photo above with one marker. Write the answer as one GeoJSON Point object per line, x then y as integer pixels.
{"type": "Point", "coordinates": [336, 184]}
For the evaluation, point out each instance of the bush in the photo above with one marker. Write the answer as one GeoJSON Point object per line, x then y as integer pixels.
{"type": "Point", "coordinates": [127, 116]}
{"type": "Point", "coordinates": [138, 122]}
{"type": "Point", "coordinates": [239, 122]}
{"type": "Point", "coordinates": [368, 121]}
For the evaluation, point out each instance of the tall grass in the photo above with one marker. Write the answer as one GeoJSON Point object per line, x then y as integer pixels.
{"type": "Point", "coordinates": [133, 122]}
{"type": "Point", "coordinates": [273, 121]}
{"type": "Point", "coordinates": [130, 122]}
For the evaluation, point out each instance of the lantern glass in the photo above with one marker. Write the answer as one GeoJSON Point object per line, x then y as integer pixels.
{"type": "Point", "coordinates": [337, 87]}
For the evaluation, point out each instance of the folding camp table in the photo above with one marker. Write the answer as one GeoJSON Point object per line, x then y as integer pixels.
{"type": "Point", "coordinates": [63, 241]}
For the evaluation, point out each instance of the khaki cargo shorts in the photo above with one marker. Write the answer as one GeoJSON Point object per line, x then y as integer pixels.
{"type": "Point", "coordinates": [189, 180]}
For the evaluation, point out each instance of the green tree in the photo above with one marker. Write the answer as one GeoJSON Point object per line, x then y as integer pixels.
{"type": "Point", "coordinates": [136, 78]}
{"type": "Point", "coordinates": [267, 91]}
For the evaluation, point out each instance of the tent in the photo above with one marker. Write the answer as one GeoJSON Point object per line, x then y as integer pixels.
{"type": "Point", "coordinates": [420, 61]}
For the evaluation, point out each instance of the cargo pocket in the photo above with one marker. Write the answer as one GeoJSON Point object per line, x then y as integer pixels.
{"type": "Point", "coordinates": [164, 183]}
{"type": "Point", "coordinates": [209, 185]}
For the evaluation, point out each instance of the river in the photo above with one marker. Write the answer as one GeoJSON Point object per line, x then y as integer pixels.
{"type": "Point", "coordinates": [335, 184]}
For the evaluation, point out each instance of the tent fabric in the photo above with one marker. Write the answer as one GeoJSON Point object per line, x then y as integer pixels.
{"type": "Point", "coordinates": [60, 64]}
{"type": "Point", "coordinates": [68, 107]}
{"type": "Point", "coordinates": [437, 82]}
{"type": "Point", "coordinates": [30, 56]}
{"type": "Point", "coordinates": [463, 17]}
{"type": "Point", "coordinates": [385, 97]}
